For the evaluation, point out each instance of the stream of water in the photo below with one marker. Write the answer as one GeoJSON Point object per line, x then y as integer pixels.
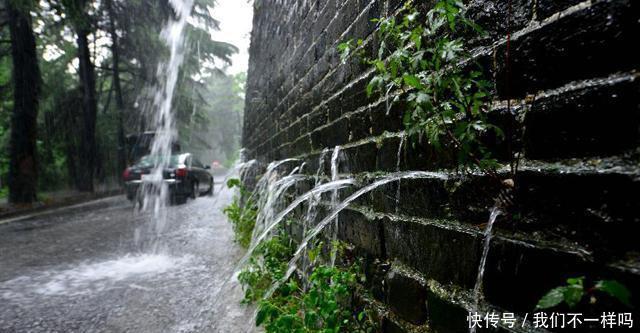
{"type": "Point", "coordinates": [311, 214]}
{"type": "Point", "coordinates": [279, 218]}
{"type": "Point", "coordinates": [155, 192]}
{"type": "Point", "coordinates": [271, 187]}
{"type": "Point", "coordinates": [292, 266]}
{"type": "Point", "coordinates": [488, 234]}
{"type": "Point", "coordinates": [335, 164]}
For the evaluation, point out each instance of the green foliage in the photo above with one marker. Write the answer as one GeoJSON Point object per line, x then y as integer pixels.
{"type": "Point", "coordinates": [324, 306]}
{"type": "Point", "coordinates": [574, 292]}
{"type": "Point", "coordinates": [616, 290]}
{"type": "Point", "coordinates": [6, 108]}
{"type": "Point", "coordinates": [51, 171]}
{"type": "Point", "coordinates": [267, 265]}
{"type": "Point", "coordinates": [241, 214]}
{"type": "Point", "coordinates": [423, 62]}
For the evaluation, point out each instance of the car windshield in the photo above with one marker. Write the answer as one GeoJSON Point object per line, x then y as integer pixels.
{"type": "Point", "coordinates": [150, 161]}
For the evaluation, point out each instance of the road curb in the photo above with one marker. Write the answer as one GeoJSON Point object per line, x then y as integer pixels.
{"type": "Point", "coordinates": [21, 214]}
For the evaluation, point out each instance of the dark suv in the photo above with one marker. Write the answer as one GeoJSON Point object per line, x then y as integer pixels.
{"type": "Point", "coordinates": [185, 176]}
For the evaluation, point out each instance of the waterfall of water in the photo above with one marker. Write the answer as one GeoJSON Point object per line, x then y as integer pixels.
{"type": "Point", "coordinates": [259, 237]}
{"type": "Point", "coordinates": [335, 164]}
{"type": "Point", "coordinates": [488, 233]}
{"type": "Point", "coordinates": [263, 189]}
{"type": "Point", "coordinates": [268, 176]}
{"type": "Point", "coordinates": [344, 204]}
{"type": "Point", "coordinates": [312, 212]}
{"type": "Point", "coordinates": [274, 190]}
{"type": "Point", "coordinates": [155, 191]}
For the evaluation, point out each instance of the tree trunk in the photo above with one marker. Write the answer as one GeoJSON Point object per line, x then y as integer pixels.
{"type": "Point", "coordinates": [23, 175]}
{"type": "Point", "coordinates": [89, 112]}
{"type": "Point", "coordinates": [115, 55]}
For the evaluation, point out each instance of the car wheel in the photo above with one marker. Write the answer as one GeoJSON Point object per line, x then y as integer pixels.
{"type": "Point", "coordinates": [210, 190]}
{"type": "Point", "coordinates": [195, 190]}
{"type": "Point", "coordinates": [180, 199]}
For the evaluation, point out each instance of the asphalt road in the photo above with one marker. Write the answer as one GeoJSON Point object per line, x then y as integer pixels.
{"type": "Point", "coordinates": [104, 267]}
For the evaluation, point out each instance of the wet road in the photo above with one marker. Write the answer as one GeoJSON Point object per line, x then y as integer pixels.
{"type": "Point", "coordinates": [103, 267]}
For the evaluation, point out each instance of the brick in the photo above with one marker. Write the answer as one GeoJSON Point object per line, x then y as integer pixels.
{"type": "Point", "coordinates": [361, 158]}
{"type": "Point", "coordinates": [546, 8]}
{"type": "Point", "coordinates": [420, 246]}
{"type": "Point", "coordinates": [407, 297]}
{"type": "Point", "coordinates": [387, 159]}
{"type": "Point", "coordinates": [496, 17]}
{"type": "Point", "coordinates": [597, 38]}
{"type": "Point", "coordinates": [355, 228]}
{"type": "Point", "coordinates": [591, 121]}
{"type": "Point", "coordinates": [445, 316]}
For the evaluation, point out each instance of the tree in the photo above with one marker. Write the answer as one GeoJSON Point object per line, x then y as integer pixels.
{"type": "Point", "coordinates": [23, 175]}
{"type": "Point", "coordinates": [93, 93]}
{"type": "Point", "coordinates": [115, 57]}
{"type": "Point", "coordinates": [80, 19]}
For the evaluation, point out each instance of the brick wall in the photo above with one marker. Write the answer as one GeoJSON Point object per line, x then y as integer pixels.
{"type": "Point", "coordinates": [574, 88]}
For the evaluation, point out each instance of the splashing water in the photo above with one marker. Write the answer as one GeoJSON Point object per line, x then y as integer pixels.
{"type": "Point", "coordinates": [155, 191]}
{"type": "Point", "coordinates": [335, 163]}
{"type": "Point", "coordinates": [90, 278]}
{"type": "Point", "coordinates": [267, 178]}
{"type": "Point", "coordinates": [268, 208]}
{"type": "Point", "coordinates": [312, 212]}
{"type": "Point", "coordinates": [488, 234]}
{"type": "Point", "coordinates": [269, 184]}
{"type": "Point", "coordinates": [270, 226]}
{"type": "Point", "coordinates": [344, 204]}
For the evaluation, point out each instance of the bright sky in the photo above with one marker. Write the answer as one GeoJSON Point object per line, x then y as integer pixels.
{"type": "Point", "coordinates": [236, 17]}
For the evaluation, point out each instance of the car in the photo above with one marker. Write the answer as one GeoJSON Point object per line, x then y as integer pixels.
{"type": "Point", "coordinates": [185, 176]}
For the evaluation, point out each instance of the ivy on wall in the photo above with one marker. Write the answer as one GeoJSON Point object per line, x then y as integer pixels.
{"type": "Point", "coordinates": [422, 61]}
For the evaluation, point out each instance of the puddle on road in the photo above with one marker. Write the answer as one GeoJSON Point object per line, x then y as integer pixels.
{"type": "Point", "coordinates": [93, 277]}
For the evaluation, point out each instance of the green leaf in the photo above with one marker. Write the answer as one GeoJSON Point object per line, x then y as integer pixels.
{"type": "Point", "coordinates": [579, 281]}
{"type": "Point", "coordinates": [616, 290]}
{"type": "Point", "coordinates": [413, 81]}
{"type": "Point", "coordinates": [261, 315]}
{"type": "Point", "coordinates": [345, 50]}
{"type": "Point", "coordinates": [380, 66]}
{"type": "Point", "coordinates": [554, 297]}
{"type": "Point", "coordinates": [573, 293]}
{"type": "Point", "coordinates": [373, 84]}
{"type": "Point", "coordinates": [233, 182]}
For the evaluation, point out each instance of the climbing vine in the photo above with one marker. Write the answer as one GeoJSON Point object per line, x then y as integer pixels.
{"type": "Point", "coordinates": [423, 62]}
